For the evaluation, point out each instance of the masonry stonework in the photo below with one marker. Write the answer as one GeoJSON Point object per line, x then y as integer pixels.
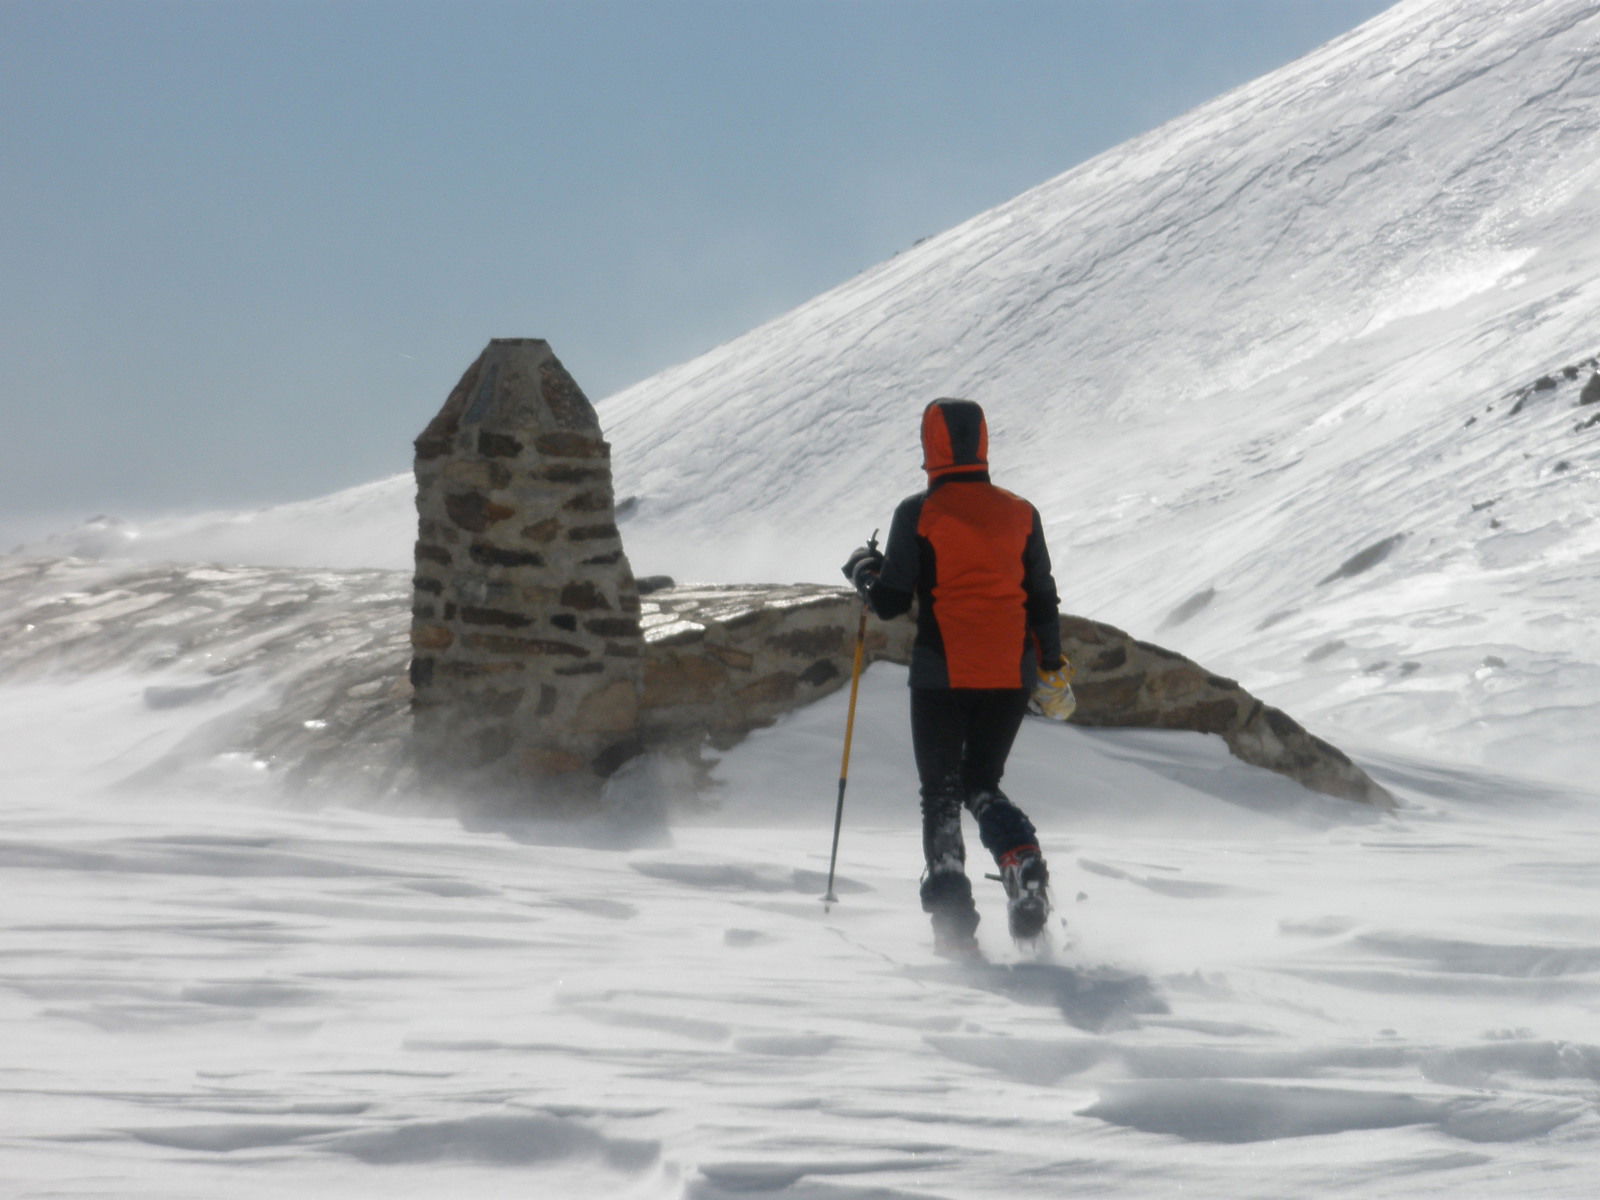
{"type": "Point", "coordinates": [526, 646]}
{"type": "Point", "coordinates": [537, 670]}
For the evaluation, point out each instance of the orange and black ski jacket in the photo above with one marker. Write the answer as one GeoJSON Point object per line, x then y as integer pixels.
{"type": "Point", "coordinates": [974, 558]}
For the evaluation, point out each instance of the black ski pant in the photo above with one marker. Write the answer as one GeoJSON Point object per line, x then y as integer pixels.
{"type": "Point", "coordinates": [961, 738]}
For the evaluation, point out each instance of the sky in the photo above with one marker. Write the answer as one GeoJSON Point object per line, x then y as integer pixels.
{"type": "Point", "coordinates": [249, 246]}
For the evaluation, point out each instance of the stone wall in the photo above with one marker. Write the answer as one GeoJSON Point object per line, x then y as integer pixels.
{"type": "Point", "coordinates": [302, 674]}
{"type": "Point", "coordinates": [538, 670]}
{"type": "Point", "coordinates": [527, 650]}
{"type": "Point", "coordinates": [1123, 682]}
{"type": "Point", "coordinates": [722, 661]}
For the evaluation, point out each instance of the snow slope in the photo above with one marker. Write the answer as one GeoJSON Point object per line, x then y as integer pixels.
{"type": "Point", "coordinates": [1225, 359]}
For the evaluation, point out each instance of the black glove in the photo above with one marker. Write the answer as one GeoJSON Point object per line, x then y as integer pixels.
{"type": "Point", "coordinates": [863, 567]}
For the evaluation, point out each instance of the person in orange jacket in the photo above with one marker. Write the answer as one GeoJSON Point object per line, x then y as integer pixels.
{"type": "Point", "coordinates": [974, 559]}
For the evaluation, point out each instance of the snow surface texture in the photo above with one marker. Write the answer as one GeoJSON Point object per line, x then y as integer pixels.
{"type": "Point", "coordinates": [1257, 992]}
{"type": "Point", "coordinates": [1223, 359]}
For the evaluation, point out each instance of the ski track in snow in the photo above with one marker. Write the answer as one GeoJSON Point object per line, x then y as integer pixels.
{"type": "Point", "coordinates": [1255, 993]}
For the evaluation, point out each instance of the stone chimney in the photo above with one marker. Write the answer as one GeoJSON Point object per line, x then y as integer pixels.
{"type": "Point", "coordinates": [526, 650]}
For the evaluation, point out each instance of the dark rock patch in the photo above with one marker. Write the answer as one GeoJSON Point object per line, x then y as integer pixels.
{"type": "Point", "coordinates": [1190, 608]}
{"type": "Point", "coordinates": [1364, 560]}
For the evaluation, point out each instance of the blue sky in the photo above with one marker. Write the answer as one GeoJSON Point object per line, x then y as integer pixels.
{"type": "Point", "coordinates": [249, 245]}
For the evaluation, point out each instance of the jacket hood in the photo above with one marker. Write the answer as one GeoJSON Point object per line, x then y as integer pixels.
{"type": "Point", "coordinates": [955, 437]}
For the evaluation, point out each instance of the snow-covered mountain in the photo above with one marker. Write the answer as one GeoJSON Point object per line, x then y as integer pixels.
{"type": "Point", "coordinates": [1346, 253]}
{"type": "Point", "coordinates": [1227, 358]}
{"type": "Point", "coordinates": [1277, 336]}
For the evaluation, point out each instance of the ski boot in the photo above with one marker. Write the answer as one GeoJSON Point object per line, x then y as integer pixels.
{"type": "Point", "coordinates": [947, 898]}
{"type": "Point", "coordinates": [1026, 880]}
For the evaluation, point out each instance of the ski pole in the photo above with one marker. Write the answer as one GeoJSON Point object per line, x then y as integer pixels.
{"type": "Point", "coordinates": [844, 764]}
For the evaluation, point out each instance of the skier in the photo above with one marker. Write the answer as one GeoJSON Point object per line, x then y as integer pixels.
{"type": "Point", "coordinates": [973, 556]}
